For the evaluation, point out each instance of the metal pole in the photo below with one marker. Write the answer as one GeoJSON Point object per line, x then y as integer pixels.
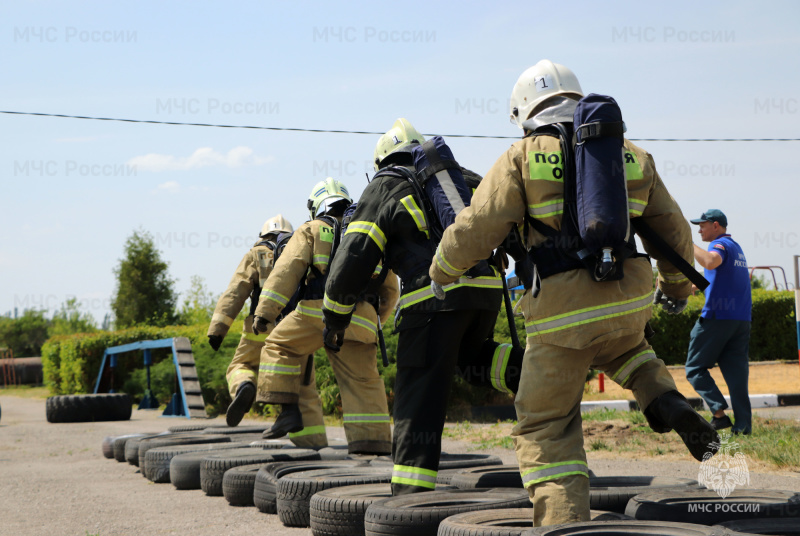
{"type": "Point", "coordinates": [797, 301]}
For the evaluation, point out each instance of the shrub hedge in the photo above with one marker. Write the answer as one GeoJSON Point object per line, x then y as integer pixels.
{"type": "Point", "coordinates": [71, 363]}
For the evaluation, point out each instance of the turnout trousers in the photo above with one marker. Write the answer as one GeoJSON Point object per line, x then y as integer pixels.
{"type": "Point", "coordinates": [431, 348]}
{"type": "Point", "coordinates": [282, 368]}
{"type": "Point", "coordinates": [548, 438]}
{"type": "Point", "coordinates": [244, 368]}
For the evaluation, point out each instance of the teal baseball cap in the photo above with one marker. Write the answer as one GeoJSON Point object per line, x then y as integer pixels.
{"type": "Point", "coordinates": [712, 215]}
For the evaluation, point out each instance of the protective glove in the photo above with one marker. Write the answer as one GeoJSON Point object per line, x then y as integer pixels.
{"type": "Point", "coordinates": [437, 289]}
{"type": "Point", "coordinates": [671, 306]}
{"type": "Point", "coordinates": [215, 341]}
{"type": "Point", "coordinates": [260, 325]}
{"type": "Point", "coordinates": [333, 338]}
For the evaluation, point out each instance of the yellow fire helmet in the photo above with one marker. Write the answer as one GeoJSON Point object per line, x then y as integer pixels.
{"type": "Point", "coordinates": [402, 134]}
{"type": "Point", "coordinates": [324, 193]}
{"type": "Point", "coordinates": [275, 225]}
{"type": "Point", "coordinates": [537, 84]}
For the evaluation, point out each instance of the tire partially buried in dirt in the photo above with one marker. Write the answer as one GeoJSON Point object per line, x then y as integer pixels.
{"type": "Point", "coordinates": [213, 467]}
{"type": "Point", "coordinates": [238, 483]}
{"type": "Point", "coordinates": [612, 493]}
{"type": "Point", "coordinates": [88, 408]}
{"type": "Point", "coordinates": [157, 460]}
{"type": "Point", "coordinates": [782, 527]}
{"type": "Point", "coordinates": [419, 514]}
{"type": "Point", "coordinates": [174, 440]}
{"type": "Point", "coordinates": [265, 490]}
{"type": "Point", "coordinates": [340, 511]}
{"type": "Point", "coordinates": [450, 461]}
{"type": "Point", "coordinates": [706, 507]}
{"type": "Point", "coordinates": [295, 490]}
{"type": "Point", "coordinates": [620, 528]}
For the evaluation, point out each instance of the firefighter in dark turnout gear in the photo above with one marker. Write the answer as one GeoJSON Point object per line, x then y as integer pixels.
{"type": "Point", "coordinates": [436, 337]}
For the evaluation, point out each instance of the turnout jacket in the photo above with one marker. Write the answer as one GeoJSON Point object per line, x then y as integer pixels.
{"type": "Point", "coordinates": [572, 310]}
{"type": "Point", "coordinates": [389, 224]}
{"type": "Point", "coordinates": [246, 282]}
{"type": "Point", "coordinates": [311, 246]}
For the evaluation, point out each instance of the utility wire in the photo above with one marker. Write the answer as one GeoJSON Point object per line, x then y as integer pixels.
{"type": "Point", "coordinates": [317, 130]}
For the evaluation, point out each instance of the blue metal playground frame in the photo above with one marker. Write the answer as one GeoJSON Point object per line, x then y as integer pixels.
{"type": "Point", "coordinates": [178, 407]}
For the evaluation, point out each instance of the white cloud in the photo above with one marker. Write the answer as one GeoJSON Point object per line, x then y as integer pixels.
{"type": "Point", "coordinates": [170, 187]}
{"type": "Point", "coordinates": [202, 157]}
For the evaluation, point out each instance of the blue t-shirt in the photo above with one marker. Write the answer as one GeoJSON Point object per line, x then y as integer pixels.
{"type": "Point", "coordinates": [728, 295]}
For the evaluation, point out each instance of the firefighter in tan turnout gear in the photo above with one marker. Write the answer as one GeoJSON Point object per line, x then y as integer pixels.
{"type": "Point", "coordinates": [285, 357]}
{"type": "Point", "coordinates": [242, 374]}
{"type": "Point", "coordinates": [575, 322]}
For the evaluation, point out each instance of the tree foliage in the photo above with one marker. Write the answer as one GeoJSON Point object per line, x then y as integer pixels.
{"type": "Point", "coordinates": [69, 319]}
{"type": "Point", "coordinates": [198, 304]}
{"type": "Point", "coordinates": [24, 335]}
{"type": "Point", "coordinates": [144, 293]}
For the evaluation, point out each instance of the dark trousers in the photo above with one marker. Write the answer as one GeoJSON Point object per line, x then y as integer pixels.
{"type": "Point", "coordinates": [723, 342]}
{"type": "Point", "coordinates": [429, 352]}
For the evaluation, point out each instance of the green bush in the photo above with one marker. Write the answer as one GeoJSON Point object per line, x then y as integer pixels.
{"type": "Point", "coordinates": [71, 363]}
{"type": "Point", "coordinates": [773, 335]}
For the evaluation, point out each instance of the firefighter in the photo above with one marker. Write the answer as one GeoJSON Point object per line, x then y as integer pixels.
{"type": "Point", "coordinates": [242, 373]}
{"type": "Point", "coordinates": [436, 337]}
{"type": "Point", "coordinates": [575, 322]}
{"type": "Point", "coordinates": [286, 352]}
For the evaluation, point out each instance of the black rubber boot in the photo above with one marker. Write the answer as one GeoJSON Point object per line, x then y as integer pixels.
{"type": "Point", "coordinates": [241, 404]}
{"type": "Point", "coordinates": [290, 420]}
{"type": "Point", "coordinates": [674, 411]}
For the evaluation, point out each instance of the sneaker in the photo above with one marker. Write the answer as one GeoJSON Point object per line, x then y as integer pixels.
{"type": "Point", "coordinates": [241, 404]}
{"type": "Point", "coordinates": [720, 423]}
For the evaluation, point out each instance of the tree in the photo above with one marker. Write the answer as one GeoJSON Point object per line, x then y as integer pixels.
{"type": "Point", "coordinates": [145, 294]}
{"type": "Point", "coordinates": [198, 304]}
{"type": "Point", "coordinates": [69, 319]}
{"type": "Point", "coordinates": [24, 335]}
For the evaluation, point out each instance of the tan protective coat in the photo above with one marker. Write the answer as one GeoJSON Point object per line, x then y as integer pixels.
{"type": "Point", "coordinates": [283, 359]}
{"type": "Point", "coordinates": [575, 323]}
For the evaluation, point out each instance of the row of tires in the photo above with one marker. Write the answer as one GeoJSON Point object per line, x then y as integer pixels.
{"type": "Point", "coordinates": [337, 494]}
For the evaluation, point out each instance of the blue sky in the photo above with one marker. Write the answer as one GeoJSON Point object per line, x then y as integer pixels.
{"type": "Point", "coordinates": [74, 190]}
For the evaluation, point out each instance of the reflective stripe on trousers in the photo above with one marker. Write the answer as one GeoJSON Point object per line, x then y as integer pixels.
{"type": "Point", "coordinates": [554, 471]}
{"type": "Point", "coordinates": [414, 476]}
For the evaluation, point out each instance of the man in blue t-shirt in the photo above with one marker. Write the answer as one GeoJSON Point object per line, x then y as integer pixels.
{"type": "Point", "coordinates": [722, 333]}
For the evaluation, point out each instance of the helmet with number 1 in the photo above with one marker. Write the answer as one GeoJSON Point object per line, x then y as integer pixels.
{"type": "Point", "coordinates": [539, 83]}
{"type": "Point", "coordinates": [276, 225]}
{"type": "Point", "coordinates": [324, 194]}
{"type": "Point", "coordinates": [402, 134]}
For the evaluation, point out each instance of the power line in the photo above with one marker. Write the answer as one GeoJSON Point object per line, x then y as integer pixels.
{"type": "Point", "coordinates": [371, 133]}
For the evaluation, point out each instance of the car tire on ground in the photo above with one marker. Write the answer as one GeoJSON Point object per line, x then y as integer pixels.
{"type": "Point", "coordinates": [238, 483]}
{"type": "Point", "coordinates": [265, 490]}
{"type": "Point", "coordinates": [157, 459]}
{"type": "Point", "coordinates": [450, 461]}
{"type": "Point", "coordinates": [88, 408]}
{"type": "Point", "coordinates": [619, 528]}
{"type": "Point", "coordinates": [420, 514]}
{"type": "Point", "coordinates": [706, 507]}
{"type": "Point", "coordinates": [213, 467]}
{"type": "Point", "coordinates": [131, 446]}
{"type": "Point", "coordinates": [771, 525]}
{"type": "Point", "coordinates": [296, 489]}
{"type": "Point", "coordinates": [174, 440]}
{"type": "Point", "coordinates": [493, 476]}
{"type": "Point", "coordinates": [108, 446]}
{"type": "Point", "coordinates": [612, 493]}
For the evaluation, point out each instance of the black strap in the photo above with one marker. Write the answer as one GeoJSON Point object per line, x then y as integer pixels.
{"type": "Point", "coordinates": [647, 232]}
{"type": "Point", "coordinates": [599, 129]}
{"type": "Point", "coordinates": [435, 162]}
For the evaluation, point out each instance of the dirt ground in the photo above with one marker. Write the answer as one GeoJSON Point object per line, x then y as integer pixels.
{"type": "Point", "coordinates": [54, 480]}
{"type": "Point", "coordinates": [766, 378]}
